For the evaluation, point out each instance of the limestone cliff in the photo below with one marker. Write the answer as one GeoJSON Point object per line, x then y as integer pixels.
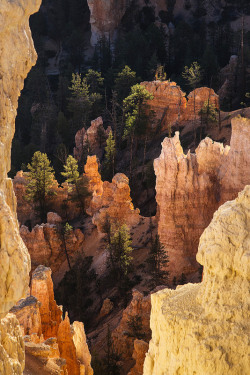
{"type": "Point", "coordinates": [190, 188]}
{"type": "Point", "coordinates": [204, 328]}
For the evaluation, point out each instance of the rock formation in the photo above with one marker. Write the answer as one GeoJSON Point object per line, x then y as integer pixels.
{"type": "Point", "coordinates": [59, 202]}
{"type": "Point", "coordinates": [47, 242]}
{"type": "Point", "coordinates": [46, 335]}
{"type": "Point", "coordinates": [92, 140]}
{"type": "Point", "coordinates": [16, 59]}
{"type": "Point", "coordinates": [135, 315]}
{"type": "Point", "coordinates": [139, 353]}
{"type": "Point", "coordinates": [110, 199]}
{"type": "Point", "coordinates": [190, 188]}
{"type": "Point", "coordinates": [42, 289]}
{"type": "Point", "coordinates": [171, 106]}
{"type": "Point", "coordinates": [105, 17]}
{"type": "Point", "coordinates": [204, 328]}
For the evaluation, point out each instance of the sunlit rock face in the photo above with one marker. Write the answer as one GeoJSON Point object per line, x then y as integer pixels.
{"type": "Point", "coordinates": [204, 328]}
{"type": "Point", "coordinates": [190, 188]}
{"type": "Point", "coordinates": [171, 106]}
{"type": "Point", "coordinates": [105, 17]}
{"type": "Point", "coordinates": [109, 199]}
{"type": "Point", "coordinates": [16, 59]}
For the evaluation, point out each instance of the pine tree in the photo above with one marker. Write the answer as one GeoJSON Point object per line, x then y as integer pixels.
{"type": "Point", "coordinates": [158, 262]}
{"type": "Point", "coordinates": [40, 181]}
{"type": "Point", "coordinates": [111, 359]}
{"type": "Point", "coordinates": [110, 151]}
{"type": "Point", "coordinates": [119, 252]}
{"type": "Point", "coordinates": [123, 83]}
{"type": "Point", "coordinates": [136, 115]}
{"type": "Point", "coordinates": [77, 184]}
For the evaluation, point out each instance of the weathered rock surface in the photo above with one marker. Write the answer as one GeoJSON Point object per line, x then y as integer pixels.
{"type": "Point", "coordinates": [42, 289]}
{"type": "Point", "coordinates": [59, 202]}
{"type": "Point", "coordinates": [92, 140]}
{"type": "Point", "coordinates": [16, 59]}
{"type": "Point", "coordinates": [139, 353]}
{"type": "Point", "coordinates": [11, 346]}
{"type": "Point", "coordinates": [204, 328]}
{"type": "Point", "coordinates": [190, 188]}
{"type": "Point", "coordinates": [136, 314]}
{"type": "Point", "coordinates": [171, 105]}
{"type": "Point", "coordinates": [109, 199]}
{"type": "Point", "coordinates": [46, 244]}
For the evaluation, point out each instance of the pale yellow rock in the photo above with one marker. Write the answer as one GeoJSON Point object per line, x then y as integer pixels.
{"type": "Point", "coordinates": [203, 329]}
{"type": "Point", "coordinates": [82, 350]}
{"type": "Point", "coordinates": [11, 346]}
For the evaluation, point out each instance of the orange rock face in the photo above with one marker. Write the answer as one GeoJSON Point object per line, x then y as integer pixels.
{"type": "Point", "coordinates": [92, 140]}
{"type": "Point", "coordinates": [58, 202]}
{"type": "Point", "coordinates": [110, 200]}
{"type": "Point", "coordinates": [137, 313]}
{"type": "Point", "coordinates": [46, 244]}
{"type": "Point", "coordinates": [190, 188]}
{"type": "Point", "coordinates": [140, 350]}
{"type": "Point", "coordinates": [171, 106]}
{"type": "Point", "coordinates": [27, 312]}
{"type": "Point", "coordinates": [42, 289]}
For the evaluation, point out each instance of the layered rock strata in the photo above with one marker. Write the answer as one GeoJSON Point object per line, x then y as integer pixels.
{"type": "Point", "coordinates": [171, 106]}
{"type": "Point", "coordinates": [190, 188]}
{"type": "Point", "coordinates": [48, 244]}
{"type": "Point", "coordinates": [204, 328]}
{"type": "Point", "coordinates": [16, 59]}
{"type": "Point", "coordinates": [109, 199]}
{"type": "Point", "coordinates": [91, 141]}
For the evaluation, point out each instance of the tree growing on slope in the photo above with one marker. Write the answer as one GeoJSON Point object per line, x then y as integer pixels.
{"type": "Point", "coordinates": [158, 262]}
{"type": "Point", "coordinates": [110, 151]}
{"type": "Point", "coordinates": [40, 181]}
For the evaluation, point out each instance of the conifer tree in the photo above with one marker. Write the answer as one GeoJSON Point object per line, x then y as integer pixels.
{"type": "Point", "coordinates": [136, 115]}
{"type": "Point", "coordinates": [120, 252]}
{"type": "Point", "coordinates": [111, 359]}
{"type": "Point", "coordinates": [40, 181]}
{"type": "Point", "coordinates": [123, 82]}
{"type": "Point", "coordinates": [110, 151]}
{"type": "Point", "coordinates": [158, 262]}
{"type": "Point", "coordinates": [77, 184]}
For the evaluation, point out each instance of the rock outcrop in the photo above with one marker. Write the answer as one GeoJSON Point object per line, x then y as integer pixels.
{"type": "Point", "coordinates": [109, 199]}
{"type": "Point", "coordinates": [133, 326]}
{"type": "Point", "coordinates": [48, 244]}
{"type": "Point", "coordinates": [204, 328]}
{"type": "Point", "coordinates": [91, 141]}
{"type": "Point", "coordinates": [16, 59]}
{"type": "Point", "coordinates": [171, 105]}
{"type": "Point", "coordinates": [59, 202]}
{"type": "Point", "coordinates": [190, 188]}
{"type": "Point", "coordinates": [139, 353]}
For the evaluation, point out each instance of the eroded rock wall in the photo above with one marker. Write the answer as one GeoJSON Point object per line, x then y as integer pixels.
{"type": "Point", "coordinates": [204, 328]}
{"type": "Point", "coordinates": [16, 59]}
{"type": "Point", "coordinates": [190, 188]}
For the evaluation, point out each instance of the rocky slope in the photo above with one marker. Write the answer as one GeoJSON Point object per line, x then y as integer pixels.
{"type": "Point", "coordinates": [16, 59]}
{"type": "Point", "coordinates": [204, 328]}
{"type": "Point", "coordinates": [191, 187]}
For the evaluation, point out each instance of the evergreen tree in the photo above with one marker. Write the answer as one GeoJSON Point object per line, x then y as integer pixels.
{"type": "Point", "coordinates": [77, 184]}
{"type": "Point", "coordinates": [111, 359]}
{"type": "Point", "coordinates": [110, 151]}
{"type": "Point", "coordinates": [136, 117]}
{"type": "Point", "coordinates": [158, 262]}
{"type": "Point", "coordinates": [123, 83]}
{"type": "Point", "coordinates": [40, 181]}
{"type": "Point", "coordinates": [119, 252]}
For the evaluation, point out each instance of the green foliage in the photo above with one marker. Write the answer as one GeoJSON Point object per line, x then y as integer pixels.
{"type": "Point", "coordinates": [120, 251]}
{"type": "Point", "coordinates": [110, 151]}
{"type": "Point", "coordinates": [71, 173]}
{"type": "Point", "coordinates": [123, 83]}
{"type": "Point", "coordinates": [40, 181]}
{"type": "Point", "coordinates": [160, 74]}
{"type": "Point", "coordinates": [208, 112]}
{"type": "Point", "coordinates": [193, 75]}
{"type": "Point", "coordinates": [67, 228]}
{"type": "Point", "coordinates": [158, 262]}
{"type": "Point", "coordinates": [94, 80]}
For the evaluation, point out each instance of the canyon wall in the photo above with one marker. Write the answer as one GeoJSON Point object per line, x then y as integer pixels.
{"type": "Point", "coordinates": [16, 59]}
{"type": "Point", "coordinates": [190, 188]}
{"type": "Point", "coordinates": [204, 328]}
{"type": "Point", "coordinates": [171, 105]}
